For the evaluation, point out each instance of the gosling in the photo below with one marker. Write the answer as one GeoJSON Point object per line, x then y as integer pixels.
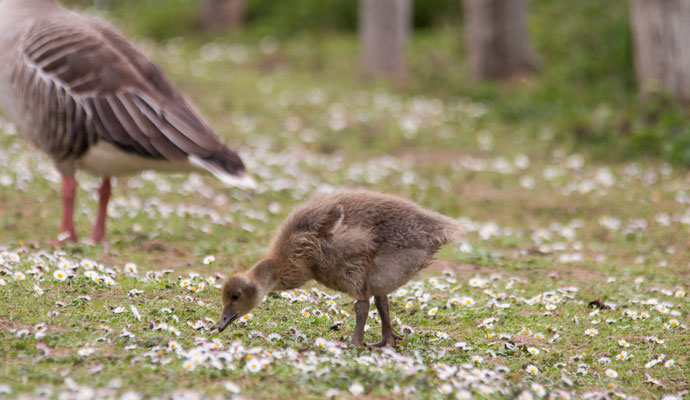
{"type": "Point", "coordinates": [358, 242]}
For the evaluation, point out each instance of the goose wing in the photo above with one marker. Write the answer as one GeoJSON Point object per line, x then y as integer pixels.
{"type": "Point", "coordinates": [96, 82]}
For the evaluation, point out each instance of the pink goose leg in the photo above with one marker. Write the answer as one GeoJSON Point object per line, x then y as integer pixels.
{"type": "Point", "coordinates": [69, 188]}
{"type": "Point", "coordinates": [98, 233]}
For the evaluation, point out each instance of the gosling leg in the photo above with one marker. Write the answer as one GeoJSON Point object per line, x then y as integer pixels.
{"type": "Point", "coordinates": [361, 313]}
{"type": "Point", "coordinates": [389, 338]}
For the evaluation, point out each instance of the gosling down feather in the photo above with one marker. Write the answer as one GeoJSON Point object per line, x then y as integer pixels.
{"type": "Point", "coordinates": [358, 242]}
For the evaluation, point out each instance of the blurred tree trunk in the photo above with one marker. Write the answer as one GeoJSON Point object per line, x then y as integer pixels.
{"type": "Point", "coordinates": [661, 32]}
{"type": "Point", "coordinates": [497, 41]}
{"type": "Point", "coordinates": [384, 27]}
{"type": "Point", "coordinates": [220, 14]}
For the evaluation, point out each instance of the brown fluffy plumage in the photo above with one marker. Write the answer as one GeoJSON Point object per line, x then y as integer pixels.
{"type": "Point", "coordinates": [358, 242]}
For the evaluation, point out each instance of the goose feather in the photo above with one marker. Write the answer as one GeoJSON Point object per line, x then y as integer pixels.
{"type": "Point", "coordinates": [78, 81]}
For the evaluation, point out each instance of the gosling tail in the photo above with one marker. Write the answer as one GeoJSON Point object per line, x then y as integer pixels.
{"type": "Point", "coordinates": [448, 231]}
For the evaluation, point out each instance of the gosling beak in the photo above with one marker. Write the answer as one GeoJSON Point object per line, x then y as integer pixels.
{"type": "Point", "coordinates": [226, 319]}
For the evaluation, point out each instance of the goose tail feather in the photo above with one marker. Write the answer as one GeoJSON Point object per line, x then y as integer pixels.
{"type": "Point", "coordinates": [237, 177]}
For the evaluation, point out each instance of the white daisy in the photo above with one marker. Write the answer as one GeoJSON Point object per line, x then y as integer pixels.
{"type": "Point", "coordinates": [463, 395]}
{"type": "Point", "coordinates": [442, 335]}
{"type": "Point", "coordinates": [60, 275]}
{"type": "Point", "coordinates": [662, 308]}
{"type": "Point", "coordinates": [532, 369]}
{"type": "Point", "coordinates": [356, 388]}
{"type": "Point", "coordinates": [135, 312]}
{"type": "Point", "coordinates": [445, 388]}
{"type": "Point", "coordinates": [189, 365]}
{"type": "Point", "coordinates": [173, 346]}
{"type": "Point", "coordinates": [477, 282]}
{"type": "Point", "coordinates": [539, 389]}
{"type": "Point", "coordinates": [254, 365]}
{"type": "Point", "coordinates": [85, 351]}
{"type": "Point", "coordinates": [232, 387]}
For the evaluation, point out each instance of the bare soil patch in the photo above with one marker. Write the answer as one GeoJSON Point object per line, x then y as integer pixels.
{"type": "Point", "coordinates": [158, 255]}
{"type": "Point", "coordinates": [6, 324]}
{"type": "Point", "coordinates": [465, 269]}
{"type": "Point", "coordinates": [559, 271]}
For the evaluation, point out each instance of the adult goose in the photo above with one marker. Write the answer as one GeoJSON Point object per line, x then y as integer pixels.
{"type": "Point", "coordinates": [84, 95]}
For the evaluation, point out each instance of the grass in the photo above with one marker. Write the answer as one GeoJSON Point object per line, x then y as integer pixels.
{"type": "Point", "coordinates": [548, 227]}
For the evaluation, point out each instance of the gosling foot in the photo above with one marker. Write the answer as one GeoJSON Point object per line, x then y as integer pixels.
{"type": "Point", "coordinates": [389, 341]}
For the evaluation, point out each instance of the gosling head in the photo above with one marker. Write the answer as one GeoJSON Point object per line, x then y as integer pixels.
{"type": "Point", "coordinates": [240, 295]}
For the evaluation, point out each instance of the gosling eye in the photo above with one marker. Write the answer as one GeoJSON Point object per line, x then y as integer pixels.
{"type": "Point", "coordinates": [235, 296]}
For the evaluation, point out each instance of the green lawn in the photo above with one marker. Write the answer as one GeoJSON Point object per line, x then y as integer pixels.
{"type": "Point", "coordinates": [504, 313]}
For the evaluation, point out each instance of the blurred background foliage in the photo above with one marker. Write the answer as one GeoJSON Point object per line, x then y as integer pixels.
{"type": "Point", "coordinates": [165, 19]}
{"type": "Point", "coordinates": [584, 93]}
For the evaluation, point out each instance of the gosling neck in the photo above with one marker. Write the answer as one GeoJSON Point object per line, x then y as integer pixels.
{"type": "Point", "coordinates": [264, 275]}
